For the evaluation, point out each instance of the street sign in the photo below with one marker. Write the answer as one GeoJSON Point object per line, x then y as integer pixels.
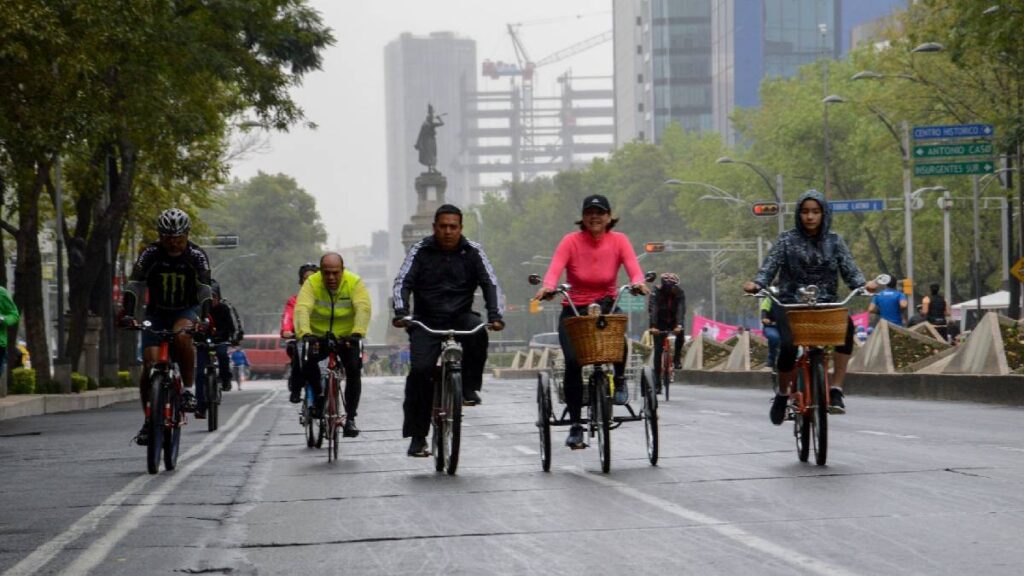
{"type": "Point", "coordinates": [857, 205]}
{"type": "Point", "coordinates": [630, 303]}
{"type": "Point", "coordinates": [765, 209]}
{"type": "Point", "coordinates": [953, 131]}
{"type": "Point", "coordinates": [1018, 270]}
{"type": "Point", "coordinates": [220, 241]}
{"type": "Point", "coordinates": [954, 169]}
{"type": "Point", "coordinates": [947, 150]}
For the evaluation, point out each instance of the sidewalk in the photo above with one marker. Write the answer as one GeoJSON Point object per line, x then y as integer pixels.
{"type": "Point", "coordinates": [19, 405]}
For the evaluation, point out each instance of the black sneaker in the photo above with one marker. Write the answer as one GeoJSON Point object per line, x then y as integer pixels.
{"type": "Point", "coordinates": [201, 413]}
{"type": "Point", "coordinates": [350, 430]}
{"type": "Point", "coordinates": [142, 438]}
{"type": "Point", "coordinates": [188, 401]}
{"type": "Point", "coordinates": [295, 398]}
{"type": "Point", "coordinates": [621, 395]}
{"type": "Point", "coordinates": [470, 398]}
{"type": "Point", "coordinates": [225, 386]}
{"type": "Point", "coordinates": [678, 365]}
{"type": "Point", "coordinates": [418, 447]}
{"type": "Point", "coordinates": [575, 438]}
{"type": "Point", "coordinates": [835, 401]}
{"type": "Point", "coordinates": [778, 411]}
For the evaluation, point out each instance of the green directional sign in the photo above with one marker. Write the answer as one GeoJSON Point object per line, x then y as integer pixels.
{"type": "Point", "coordinates": [954, 169]}
{"type": "Point", "coordinates": [630, 303]}
{"type": "Point", "coordinates": [948, 150]}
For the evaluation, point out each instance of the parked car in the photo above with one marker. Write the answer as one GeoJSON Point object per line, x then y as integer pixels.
{"type": "Point", "coordinates": [544, 340]}
{"type": "Point", "coordinates": [267, 355]}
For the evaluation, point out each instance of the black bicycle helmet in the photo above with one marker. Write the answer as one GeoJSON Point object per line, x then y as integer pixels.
{"type": "Point", "coordinates": [173, 222]}
{"type": "Point", "coordinates": [307, 267]}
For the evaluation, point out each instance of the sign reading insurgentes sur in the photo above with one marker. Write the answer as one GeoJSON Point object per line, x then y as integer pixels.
{"type": "Point", "coordinates": [954, 169]}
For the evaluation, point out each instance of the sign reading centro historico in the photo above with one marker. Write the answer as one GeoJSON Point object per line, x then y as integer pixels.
{"type": "Point", "coordinates": [953, 131]}
{"type": "Point", "coordinates": [947, 150]}
{"type": "Point", "coordinates": [954, 169]}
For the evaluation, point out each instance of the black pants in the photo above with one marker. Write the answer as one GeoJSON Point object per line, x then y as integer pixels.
{"type": "Point", "coordinates": [350, 359]}
{"type": "Point", "coordinates": [295, 381]}
{"type": "Point", "coordinates": [787, 350]}
{"type": "Point", "coordinates": [572, 382]}
{"type": "Point", "coordinates": [424, 350]}
{"type": "Point", "coordinates": [659, 340]}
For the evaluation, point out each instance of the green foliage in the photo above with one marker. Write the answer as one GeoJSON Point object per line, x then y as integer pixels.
{"type": "Point", "coordinates": [48, 387]}
{"type": "Point", "coordinates": [23, 381]}
{"type": "Point", "coordinates": [81, 382]}
{"type": "Point", "coordinates": [124, 379]}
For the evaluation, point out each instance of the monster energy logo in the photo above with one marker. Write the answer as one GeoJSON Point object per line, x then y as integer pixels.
{"type": "Point", "coordinates": [172, 285]}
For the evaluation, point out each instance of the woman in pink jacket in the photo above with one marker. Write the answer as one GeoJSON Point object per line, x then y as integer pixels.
{"type": "Point", "coordinates": [591, 259]}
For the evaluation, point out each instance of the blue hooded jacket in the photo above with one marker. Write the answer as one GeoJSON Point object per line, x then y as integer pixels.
{"type": "Point", "coordinates": [801, 259]}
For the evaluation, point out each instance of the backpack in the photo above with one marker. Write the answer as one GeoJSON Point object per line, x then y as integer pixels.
{"type": "Point", "coordinates": [936, 313]}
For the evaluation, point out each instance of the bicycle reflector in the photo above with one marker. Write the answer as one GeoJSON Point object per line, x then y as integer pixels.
{"type": "Point", "coordinates": [765, 209]}
{"type": "Point", "coordinates": [652, 247]}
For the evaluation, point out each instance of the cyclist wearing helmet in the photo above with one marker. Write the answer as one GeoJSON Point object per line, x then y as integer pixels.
{"type": "Point", "coordinates": [225, 327]}
{"type": "Point", "coordinates": [288, 333]}
{"type": "Point", "coordinates": [667, 310]}
{"type": "Point", "coordinates": [176, 273]}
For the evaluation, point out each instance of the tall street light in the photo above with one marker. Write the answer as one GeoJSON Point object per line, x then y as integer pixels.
{"type": "Point", "coordinates": [229, 260]}
{"type": "Point", "coordinates": [776, 188]}
{"type": "Point", "coordinates": [946, 203]}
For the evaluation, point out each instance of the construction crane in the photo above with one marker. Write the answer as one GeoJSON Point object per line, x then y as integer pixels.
{"type": "Point", "coordinates": [525, 67]}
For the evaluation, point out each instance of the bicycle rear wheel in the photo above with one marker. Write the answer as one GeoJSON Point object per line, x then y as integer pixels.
{"type": "Point", "coordinates": [801, 422]}
{"type": "Point", "coordinates": [602, 410]}
{"type": "Point", "coordinates": [544, 419]}
{"type": "Point", "coordinates": [650, 414]}
{"type": "Point", "coordinates": [666, 369]}
{"type": "Point", "coordinates": [172, 428]}
{"type": "Point", "coordinates": [819, 419]}
{"type": "Point", "coordinates": [157, 401]}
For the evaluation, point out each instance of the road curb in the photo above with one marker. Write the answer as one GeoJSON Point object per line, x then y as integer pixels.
{"type": "Point", "coordinates": [19, 406]}
{"type": "Point", "coordinates": [991, 389]}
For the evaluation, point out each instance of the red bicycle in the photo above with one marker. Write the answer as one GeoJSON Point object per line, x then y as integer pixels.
{"type": "Point", "coordinates": [666, 375]}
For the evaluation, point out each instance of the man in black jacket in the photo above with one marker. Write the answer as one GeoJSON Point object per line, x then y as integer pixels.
{"type": "Point", "coordinates": [441, 273]}
{"type": "Point", "coordinates": [225, 328]}
{"type": "Point", "coordinates": [666, 307]}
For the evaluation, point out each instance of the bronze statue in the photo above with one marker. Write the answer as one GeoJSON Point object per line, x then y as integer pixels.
{"type": "Point", "coordinates": [426, 142]}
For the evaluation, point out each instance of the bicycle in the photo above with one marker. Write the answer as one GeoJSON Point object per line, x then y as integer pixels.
{"type": "Point", "coordinates": [164, 413]}
{"type": "Point", "coordinates": [814, 326]}
{"type": "Point", "coordinates": [667, 373]}
{"type": "Point", "coordinates": [332, 417]}
{"type": "Point", "coordinates": [446, 415]}
{"type": "Point", "coordinates": [599, 341]}
{"type": "Point", "coordinates": [212, 388]}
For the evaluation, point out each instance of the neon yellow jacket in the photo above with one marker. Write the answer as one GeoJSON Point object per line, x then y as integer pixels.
{"type": "Point", "coordinates": [345, 312]}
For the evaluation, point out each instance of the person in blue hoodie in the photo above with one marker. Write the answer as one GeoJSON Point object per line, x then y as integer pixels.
{"type": "Point", "coordinates": [810, 253]}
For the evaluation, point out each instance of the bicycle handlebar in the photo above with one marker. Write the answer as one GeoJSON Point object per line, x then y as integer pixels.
{"type": "Point", "coordinates": [763, 293]}
{"type": "Point", "coordinates": [563, 289]}
{"type": "Point", "coordinates": [447, 333]}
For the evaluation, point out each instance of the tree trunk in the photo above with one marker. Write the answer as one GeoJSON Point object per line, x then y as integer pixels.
{"type": "Point", "coordinates": [28, 272]}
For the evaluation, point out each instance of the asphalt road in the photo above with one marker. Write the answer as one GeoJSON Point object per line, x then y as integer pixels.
{"type": "Point", "coordinates": [912, 487]}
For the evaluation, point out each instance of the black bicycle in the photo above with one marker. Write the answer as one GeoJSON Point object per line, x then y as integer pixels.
{"type": "Point", "coordinates": [446, 416]}
{"type": "Point", "coordinates": [212, 387]}
{"type": "Point", "coordinates": [164, 413]}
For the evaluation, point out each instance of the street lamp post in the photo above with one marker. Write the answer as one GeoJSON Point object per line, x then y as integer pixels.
{"type": "Point", "coordinates": [229, 260]}
{"type": "Point", "coordinates": [946, 203]}
{"type": "Point", "coordinates": [775, 188]}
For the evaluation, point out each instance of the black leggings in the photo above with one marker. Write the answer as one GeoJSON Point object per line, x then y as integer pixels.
{"type": "Point", "coordinates": [787, 350]}
{"type": "Point", "coordinates": [572, 381]}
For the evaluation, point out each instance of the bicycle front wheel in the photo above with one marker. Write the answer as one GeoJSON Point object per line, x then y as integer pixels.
{"type": "Point", "coordinates": [157, 402]}
{"type": "Point", "coordinates": [212, 400]}
{"type": "Point", "coordinates": [333, 417]}
{"type": "Point", "coordinates": [602, 410]}
{"type": "Point", "coordinates": [451, 419]}
{"type": "Point", "coordinates": [666, 370]}
{"type": "Point", "coordinates": [801, 421]}
{"type": "Point", "coordinates": [819, 411]}
{"type": "Point", "coordinates": [544, 419]}
{"type": "Point", "coordinates": [650, 414]}
{"type": "Point", "coordinates": [172, 428]}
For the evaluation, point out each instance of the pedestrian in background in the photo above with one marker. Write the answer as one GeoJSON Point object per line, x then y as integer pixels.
{"type": "Point", "coordinates": [889, 304]}
{"type": "Point", "coordinates": [10, 317]}
{"type": "Point", "coordinates": [240, 365]}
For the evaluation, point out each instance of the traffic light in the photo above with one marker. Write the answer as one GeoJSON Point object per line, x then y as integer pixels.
{"type": "Point", "coordinates": [908, 286]}
{"type": "Point", "coordinates": [652, 247]}
{"type": "Point", "coordinates": [765, 209]}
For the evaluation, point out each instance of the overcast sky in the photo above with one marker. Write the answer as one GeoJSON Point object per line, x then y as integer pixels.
{"type": "Point", "coordinates": [343, 163]}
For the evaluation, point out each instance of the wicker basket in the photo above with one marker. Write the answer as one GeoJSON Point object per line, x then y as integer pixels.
{"type": "Point", "coordinates": [595, 345]}
{"type": "Point", "coordinates": [818, 326]}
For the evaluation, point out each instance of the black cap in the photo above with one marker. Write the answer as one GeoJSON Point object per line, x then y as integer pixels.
{"type": "Point", "coordinates": [596, 201]}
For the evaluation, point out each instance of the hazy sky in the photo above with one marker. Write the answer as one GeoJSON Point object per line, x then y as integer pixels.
{"type": "Point", "coordinates": [343, 163]}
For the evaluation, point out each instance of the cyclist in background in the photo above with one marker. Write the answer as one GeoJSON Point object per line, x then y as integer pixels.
{"type": "Point", "coordinates": [288, 333]}
{"type": "Point", "coordinates": [442, 272]}
{"type": "Point", "coordinates": [176, 274]}
{"type": "Point", "coordinates": [225, 327]}
{"type": "Point", "coordinates": [333, 301]}
{"type": "Point", "coordinates": [666, 307]}
{"type": "Point", "coordinates": [809, 253]}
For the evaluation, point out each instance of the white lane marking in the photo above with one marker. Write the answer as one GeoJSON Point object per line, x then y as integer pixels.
{"type": "Point", "coordinates": [525, 450]}
{"type": "Point", "coordinates": [890, 434]}
{"type": "Point", "coordinates": [490, 435]}
{"type": "Point", "coordinates": [47, 551]}
{"type": "Point", "coordinates": [730, 531]}
{"type": "Point", "coordinates": [97, 551]}
{"type": "Point", "coordinates": [715, 412]}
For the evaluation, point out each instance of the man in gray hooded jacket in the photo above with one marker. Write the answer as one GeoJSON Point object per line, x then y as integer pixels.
{"type": "Point", "coordinates": [809, 254]}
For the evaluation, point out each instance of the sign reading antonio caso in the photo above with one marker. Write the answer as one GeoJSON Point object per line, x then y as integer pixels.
{"type": "Point", "coordinates": [953, 131]}
{"type": "Point", "coordinates": [946, 150]}
{"type": "Point", "coordinates": [857, 205]}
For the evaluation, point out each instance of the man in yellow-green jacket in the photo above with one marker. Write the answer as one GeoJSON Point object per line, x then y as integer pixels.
{"type": "Point", "coordinates": [333, 306]}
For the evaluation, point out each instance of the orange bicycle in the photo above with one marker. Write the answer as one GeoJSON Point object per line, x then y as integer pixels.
{"type": "Point", "coordinates": [666, 374]}
{"type": "Point", "coordinates": [815, 326]}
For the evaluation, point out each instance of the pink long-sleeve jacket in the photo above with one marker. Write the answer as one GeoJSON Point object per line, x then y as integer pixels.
{"type": "Point", "coordinates": [592, 265]}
